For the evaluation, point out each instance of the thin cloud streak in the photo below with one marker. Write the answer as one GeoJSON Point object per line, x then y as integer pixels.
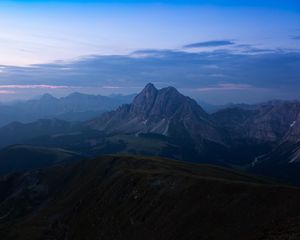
{"type": "Point", "coordinates": [296, 37]}
{"type": "Point", "coordinates": [7, 92]}
{"type": "Point", "coordinates": [33, 87]}
{"type": "Point", "coordinates": [217, 75]}
{"type": "Point", "coordinates": [227, 87]}
{"type": "Point", "coordinates": [215, 43]}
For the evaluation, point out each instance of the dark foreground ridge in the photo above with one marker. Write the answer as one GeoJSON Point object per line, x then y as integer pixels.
{"type": "Point", "coordinates": [127, 197]}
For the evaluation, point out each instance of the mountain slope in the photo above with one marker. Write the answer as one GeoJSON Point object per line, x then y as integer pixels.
{"type": "Point", "coordinates": [18, 133]}
{"type": "Point", "coordinates": [283, 162]}
{"type": "Point", "coordinates": [22, 158]}
{"type": "Point", "coordinates": [257, 130]}
{"type": "Point", "coordinates": [126, 197]}
{"type": "Point", "coordinates": [267, 122]}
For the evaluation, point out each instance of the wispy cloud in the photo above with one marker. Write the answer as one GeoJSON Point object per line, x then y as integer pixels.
{"type": "Point", "coordinates": [226, 87]}
{"type": "Point", "coordinates": [211, 72]}
{"type": "Point", "coordinates": [6, 92]}
{"type": "Point", "coordinates": [215, 43]}
{"type": "Point", "coordinates": [296, 37]}
{"type": "Point", "coordinates": [32, 87]}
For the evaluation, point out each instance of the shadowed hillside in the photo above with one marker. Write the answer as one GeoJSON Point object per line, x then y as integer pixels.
{"type": "Point", "coordinates": [22, 158]}
{"type": "Point", "coordinates": [145, 198]}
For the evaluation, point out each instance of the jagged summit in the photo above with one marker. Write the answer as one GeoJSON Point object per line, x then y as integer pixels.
{"type": "Point", "coordinates": [145, 99]}
{"type": "Point", "coordinates": [47, 96]}
{"type": "Point", "coordinates": [150, 86]}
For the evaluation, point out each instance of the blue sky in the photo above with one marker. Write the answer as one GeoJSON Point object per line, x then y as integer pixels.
{"type": "Point", "coordinates": [37, 36]}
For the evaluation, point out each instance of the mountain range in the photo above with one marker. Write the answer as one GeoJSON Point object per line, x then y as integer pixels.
{"type": "Point", "coordinates": [118, 175]}
{"type": "Point", "coordinates": [165, 112]}
{"type": "Point", "coordinates": [163, 122]}
{"type": "Point", "coordinates": [74, 107]}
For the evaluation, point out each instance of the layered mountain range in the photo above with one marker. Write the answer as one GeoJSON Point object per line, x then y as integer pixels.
{"type": "Point", "coordinates": [48, 192]}
{"type": "Point", "coordinates": [163, 122]}
{"type": "Point", "coordinates": [74, 107]}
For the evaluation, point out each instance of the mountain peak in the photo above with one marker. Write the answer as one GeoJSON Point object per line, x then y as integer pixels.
{"type": "Point", "coordinates": [75, 94]}
{"type": "Point", "coordinates": [149, 90]}
{"type": "Point", "coordinates": [146, 97]}
{"type": "Point", "coordinates": [171, 91]}
{"type": "Point", "coordinates": [47, 96]}
{"type": "Point", "coordinates": [165, 111]}
{"type": "Point", "coordinates": [150, 87]}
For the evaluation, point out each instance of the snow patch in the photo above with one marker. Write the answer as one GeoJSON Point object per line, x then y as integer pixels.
{"type": "Point", "coordinates": [255, 162]}
{"type": "Point", "coordinates": [292, 124]}
{"type": "Point", "coordinates": [166, 130]}
{"type": "Point", "coordinates": [296, 158]}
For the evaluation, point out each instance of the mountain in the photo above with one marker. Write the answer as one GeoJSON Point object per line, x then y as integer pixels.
{"type": "Point", "coordinates": [165, 111]}
{"type": "Point", "coordinates": [145, 198]}
{"type": "Point", "coordinates": [261, 138]}
{"type": "Point", "coordinates": [52, 133]}
{"type": "Point", "coordinates": [266, 136]}
{"type": "Point", "coordinates": [22, 158]}
{"type": "Point", "coordinates": [75, 107]}
{"type": "Point", "coordinates": [267, 122]}
{"type": "Point", "coordinates": [284, 160]}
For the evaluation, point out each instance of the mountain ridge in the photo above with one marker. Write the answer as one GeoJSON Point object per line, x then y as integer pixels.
{"type": "Point", "coordinates": [74, 107]}
{"type": "Point", "coordinates": [124, 197]}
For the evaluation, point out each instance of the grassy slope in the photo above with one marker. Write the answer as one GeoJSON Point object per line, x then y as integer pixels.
{"type": "Point", "coordinates": [152, 198]}
{"type": "Point", "coordinates": [21, 158]}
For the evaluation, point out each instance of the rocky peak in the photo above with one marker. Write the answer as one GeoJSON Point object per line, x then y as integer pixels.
{"type": "Point", "coordinates": [153, 102]}
{"type": "Point", "coordinates": [148, 93]}
{"type": "Point", "coordinates": [164, 111]}
{"type": "Point", "coordinates": [144, 101]}
{"type": "Point", "coordinates": [171, 93]}
{"type": "Point", "coordinates": [150, 87]}
{"type": "Point", "coordinates": [48, 97]}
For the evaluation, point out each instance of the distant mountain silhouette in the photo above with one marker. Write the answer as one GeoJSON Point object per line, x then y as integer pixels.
{"type": "Point", "coordinates": [75, 107]}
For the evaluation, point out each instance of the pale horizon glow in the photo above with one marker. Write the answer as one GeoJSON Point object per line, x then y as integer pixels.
{"type": "Point", "coordinates": [33, 87]}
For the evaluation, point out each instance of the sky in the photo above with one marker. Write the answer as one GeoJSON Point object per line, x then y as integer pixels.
{"type": "Point", "coordinates": [216, 51]}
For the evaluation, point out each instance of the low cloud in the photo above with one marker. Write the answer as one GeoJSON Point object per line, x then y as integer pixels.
{"type": "Point", "coordinates": [216, 43]}
{"type": "Point", "coordinates": [209, 72]}
{"type": "Point", "coordinates": [32, 87]}
{"type": "Point", "coordinates": [296, 37]}
{"type": "Point", "coordinates": [226, 87]}
{"type": "Point", "coordinates": [6, 92]}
